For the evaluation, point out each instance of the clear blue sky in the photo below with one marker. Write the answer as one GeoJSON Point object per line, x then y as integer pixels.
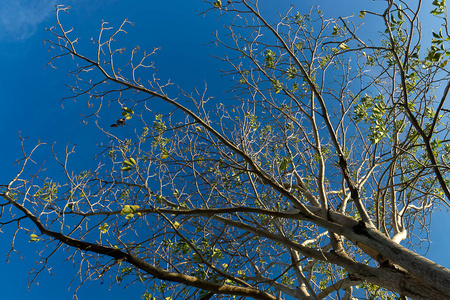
{"type": "Point", "coordinates": [30, 98]}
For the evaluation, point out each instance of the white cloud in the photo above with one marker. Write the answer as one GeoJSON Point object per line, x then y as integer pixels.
{"type": "Point", "coordinates": [20, 18]}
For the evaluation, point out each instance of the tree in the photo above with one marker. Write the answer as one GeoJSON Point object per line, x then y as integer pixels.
{"type": "Point", "coordinates": [314, 180]}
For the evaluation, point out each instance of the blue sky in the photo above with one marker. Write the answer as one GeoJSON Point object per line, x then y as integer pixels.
{"type": "Point", "coordinates": [31, 95]}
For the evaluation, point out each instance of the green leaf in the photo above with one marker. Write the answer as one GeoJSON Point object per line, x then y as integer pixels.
{"type": "Point", "coordinates": [344, 46]}
{"type": "Point", "coordinates": [176, 225]}
{"type": "Point", "coordinates": [291, 72]}
{"type": "Point", "coordinates": [103, 228]}
{"type": "Point", "coordinates": [269, 59]}
{"type": "Point", "coordinates": [277, 86]}
{"type": "Point", "coordinates": [34, 238]}
{"type": "Point", "coordinates": [336, 30]}
{"type": "Point", "coordinates": [126, 115]}
{"type": "Point", "coordinates": [218, 4]}
{"type": "Point", "coordinates": [128, 163]}
{"type": "Point", "coordinates": [133, 161]}
{"type": "Point", "coordinates": [126, 210]}
{"type": "Point", "coordinates": [129, 211]}
{"type": "Point", "coordinates": [127, 168]}
{"type": "Point", "coordinates": [435, 34]}
{"type": "Point", "coordinates": [147, 296]}
{"type": "Point", "coordinates": [362, 14]}
{"type": "Point", "coordinates": [128, 110]}
{"type": "Point", "coordinates": [440, 7]}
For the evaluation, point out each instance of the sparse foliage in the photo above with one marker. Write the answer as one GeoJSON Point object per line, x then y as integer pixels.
{"type": "Point", "coordinates": [316, 179]}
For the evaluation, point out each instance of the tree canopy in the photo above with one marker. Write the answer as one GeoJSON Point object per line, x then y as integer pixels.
{"type": "Point", "coordinates": [314, 176]}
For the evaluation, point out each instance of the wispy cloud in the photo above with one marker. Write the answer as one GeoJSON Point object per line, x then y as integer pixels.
{"type": "Point", "coordinates": [19, 19]}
